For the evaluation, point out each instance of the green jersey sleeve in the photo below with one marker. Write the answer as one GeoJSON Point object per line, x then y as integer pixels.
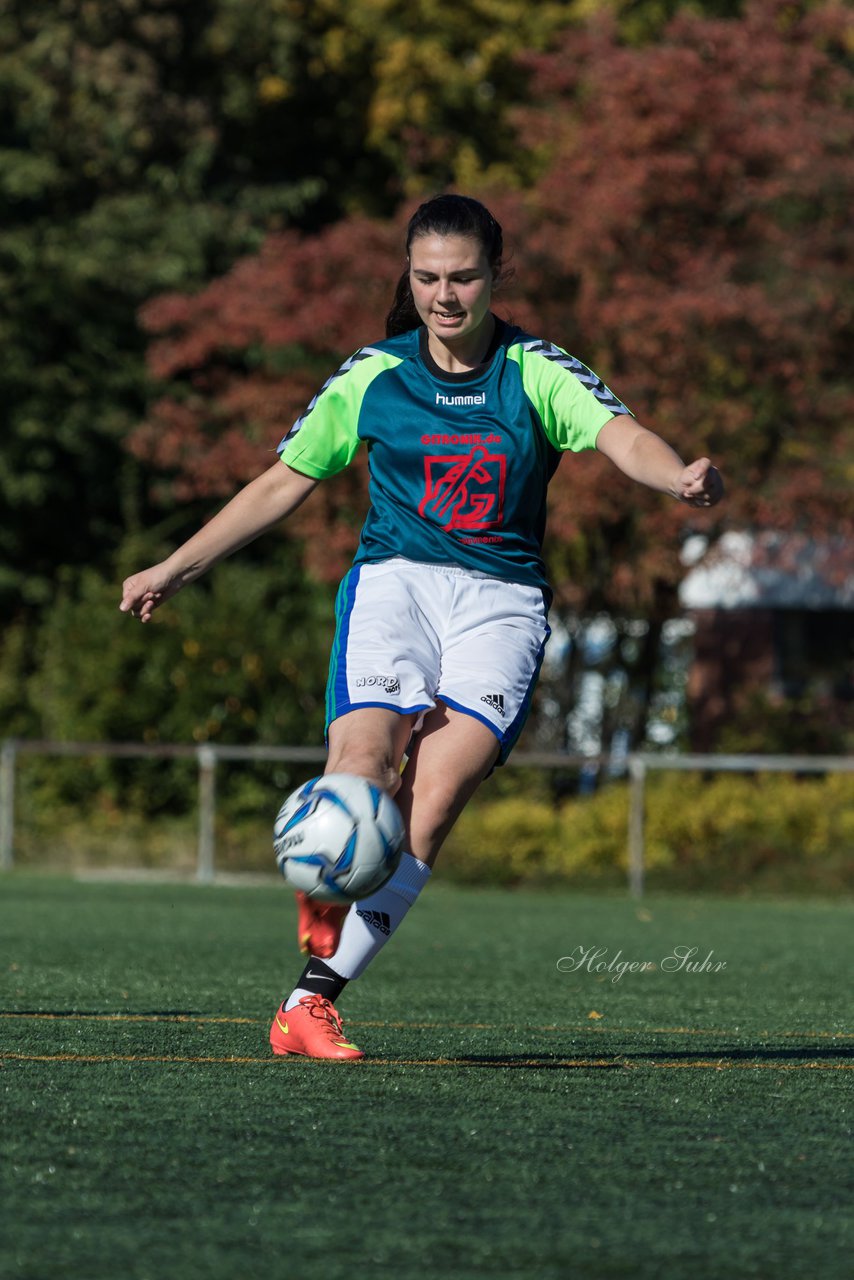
{"type": "Point", "coordinates": [326, 438]}
{"type": "Point", "coordinates": [572, 403]}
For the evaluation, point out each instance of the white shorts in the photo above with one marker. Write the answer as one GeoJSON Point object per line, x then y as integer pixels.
{"type": "Point", "coordinates": [410, 634]}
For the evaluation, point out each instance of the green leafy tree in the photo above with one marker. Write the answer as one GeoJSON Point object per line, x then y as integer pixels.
{"type": "Point", "coordinates": [238, 659]}
{"type": "Point", "coordinates": [115, 182]}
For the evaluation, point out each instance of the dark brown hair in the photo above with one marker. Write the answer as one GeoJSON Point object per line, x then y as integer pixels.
{"type": "Point", "coordinates": [443, 216]}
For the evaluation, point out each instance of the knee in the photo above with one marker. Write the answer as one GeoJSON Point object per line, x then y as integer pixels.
{"type": "Point", "coordinates": [361, 760]}
{"type": "Point", "coordinates": [369, 742]}
{"type": "Point", "coordinates": [434, 799]}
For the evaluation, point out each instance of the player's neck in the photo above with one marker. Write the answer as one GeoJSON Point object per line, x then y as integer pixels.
{"type": "Point", "coordinates": [458, 355]}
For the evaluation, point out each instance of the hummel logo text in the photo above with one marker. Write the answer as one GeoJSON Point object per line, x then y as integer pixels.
{"type": "Point", "coordinates": [379, 919]}
{"type": "Point", "coordinates": [494, 700]}
{"type": "Point", "coordinates": [448, 400]}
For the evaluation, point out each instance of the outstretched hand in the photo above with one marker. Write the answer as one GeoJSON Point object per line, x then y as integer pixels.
{"type": "Point", "coordinates": [143, 592]}
{"type": "Point", "coordinates": [700, 484]}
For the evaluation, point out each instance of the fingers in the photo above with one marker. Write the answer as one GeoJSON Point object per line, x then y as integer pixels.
{"type": "Point", "coordinates": [702, 485]}
{"type": "Point", "coordinates": [139, 597]}
{"type": "Point", "coordinates": [130, 597]}
{"type": "Point", "coordinates": [695, 474]}
{"type": "Point", "coordinates": [133, 594]}
{"type": "Point", "coordinates": [146, 608]}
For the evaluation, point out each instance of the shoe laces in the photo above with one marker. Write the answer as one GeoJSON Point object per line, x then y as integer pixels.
{"type": "Point", "coordinates": [319, 1007]}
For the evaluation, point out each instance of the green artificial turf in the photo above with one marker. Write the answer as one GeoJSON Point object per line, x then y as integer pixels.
{"type": "Point", "coordinates": [699, 1125]}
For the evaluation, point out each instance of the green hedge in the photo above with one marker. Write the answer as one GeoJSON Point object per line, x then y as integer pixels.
{"type": "Point", "coordinates": [724, 831]}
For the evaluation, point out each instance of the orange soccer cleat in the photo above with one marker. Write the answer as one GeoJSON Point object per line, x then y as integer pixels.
{"type": "Point", "coordinates": [319, 926]}
{"type": "Point", "coordinates": [311, 1028]}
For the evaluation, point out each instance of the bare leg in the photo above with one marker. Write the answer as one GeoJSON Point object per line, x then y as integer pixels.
{"type": "Point", "coordinates": [370, 742]}
{"type": "Point", "coordinates": [451, 756]}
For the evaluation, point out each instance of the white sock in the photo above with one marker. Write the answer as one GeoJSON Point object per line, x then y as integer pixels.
{"type": "Point", "coordinates": [370, 922]}
{"type": "Point", "coordinates": [295, 997]}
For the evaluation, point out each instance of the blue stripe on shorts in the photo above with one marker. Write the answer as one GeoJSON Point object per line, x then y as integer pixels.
{"type": "Point", "coordinates": [337, 694]}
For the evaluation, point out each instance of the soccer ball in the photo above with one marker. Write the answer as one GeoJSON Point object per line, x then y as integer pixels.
{"type": "Point", "coordinates": [338, 838]}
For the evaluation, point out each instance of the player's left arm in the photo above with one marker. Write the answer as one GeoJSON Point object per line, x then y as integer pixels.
{"type": "Point", "coordinates": [645, 457]}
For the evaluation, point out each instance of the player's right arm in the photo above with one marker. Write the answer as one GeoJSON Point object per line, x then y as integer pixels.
{"type": "Point", "coordinates": [261, 504]}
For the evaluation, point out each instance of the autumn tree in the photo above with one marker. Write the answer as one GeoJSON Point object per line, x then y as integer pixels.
{"type": "Point", "coordinates": [692, 240]}
{"type": "Point", "coordinates": [113, 185]}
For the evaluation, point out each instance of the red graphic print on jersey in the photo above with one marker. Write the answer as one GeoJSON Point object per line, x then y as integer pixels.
{"type": "Point", "coordinates": [465, 492]}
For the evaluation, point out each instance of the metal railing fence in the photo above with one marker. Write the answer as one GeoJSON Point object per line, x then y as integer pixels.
{"type": "Point", "coordinates": [637, 764]}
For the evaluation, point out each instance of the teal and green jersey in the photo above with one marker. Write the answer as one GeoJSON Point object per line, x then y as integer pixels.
{"type": "Point", "coordinates": [459, 463]}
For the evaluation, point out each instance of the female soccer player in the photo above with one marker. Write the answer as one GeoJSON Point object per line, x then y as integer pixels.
{"type": "Point", "coordinates": [443, 619]}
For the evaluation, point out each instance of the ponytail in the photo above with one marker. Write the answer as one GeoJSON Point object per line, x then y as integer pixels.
{"type": "Point", "coordinates": [402, 317]}
{"type": "Point", "coordinates": [444, 216]}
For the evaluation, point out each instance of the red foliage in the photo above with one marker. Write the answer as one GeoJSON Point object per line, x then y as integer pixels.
{"type": "Point", "coordinates": [252, 348]}
{"type": "Point", "coordinates": [319, 293]}
{"type": "Point", "coordinates": [693, 239]}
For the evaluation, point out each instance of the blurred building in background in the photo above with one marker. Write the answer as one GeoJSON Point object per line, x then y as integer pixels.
{"type": "Point", "coordinates": [773, 623]}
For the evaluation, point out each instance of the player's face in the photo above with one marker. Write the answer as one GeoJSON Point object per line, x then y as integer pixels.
{"type": "Point", "coordinates": [451, 283]}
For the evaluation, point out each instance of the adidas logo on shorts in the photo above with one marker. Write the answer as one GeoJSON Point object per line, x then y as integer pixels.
{"type": "Point", "coordinates": [494, 700]}
{"type": "Point", "coordinates": [379, 919]}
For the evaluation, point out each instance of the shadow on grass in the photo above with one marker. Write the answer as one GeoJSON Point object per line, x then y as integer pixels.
{"type": "Point", "coordinates": [744, 1055]}
{"type": "Point", "coordinates": [720, 1056]}
{"type": "Point", "coordinates": [616, 1061]}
